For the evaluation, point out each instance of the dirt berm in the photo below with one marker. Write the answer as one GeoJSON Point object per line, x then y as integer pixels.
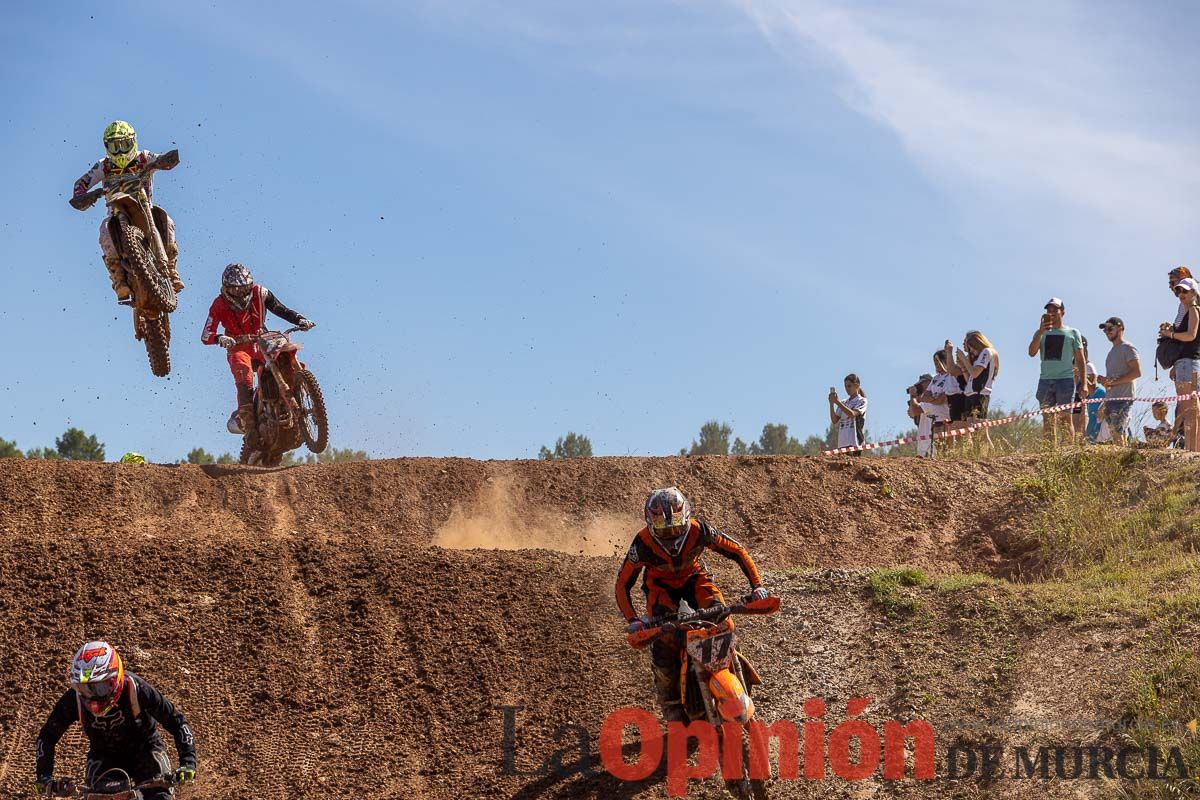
{"type": "Point", "coordinates": [352, 630]}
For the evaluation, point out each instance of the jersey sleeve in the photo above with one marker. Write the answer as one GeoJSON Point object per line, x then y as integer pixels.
{"type": "Point", "coordinates": [631, 567]}
{"type": "Point", "coordinates": [65, 711]}
{"type": "Point", "coordinates": [209, 334]}
{"type": "Point", "coordinates": [171, 718]}
{"type": "Point", "coordinates": [279, 309]}
{"type": "Point", "coordinates": [89, 178]}
{"type": "Point", "coordinates": [733, 550]}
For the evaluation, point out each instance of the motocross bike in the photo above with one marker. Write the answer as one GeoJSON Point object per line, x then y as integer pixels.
{"type": "Point", "coordinates": [715, 679]}
{"type": "Point", "coordinates": [134, 228]}
{"type": "Point", "coordinates": [105, 788]}
{"type": "Point", "coordinates": [289, 408]}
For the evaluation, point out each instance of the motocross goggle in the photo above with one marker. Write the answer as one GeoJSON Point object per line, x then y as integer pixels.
{"type": "Point", "coordinates": [98, 690]}
{"type": "Point", "coordinates": [240, 295]}
{"type": "Point", "coordinates": [671, 536]}
{"type": "Point", "coordinates": [120, 146]}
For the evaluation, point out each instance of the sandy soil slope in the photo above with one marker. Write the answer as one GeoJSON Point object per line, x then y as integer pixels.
{"type": "Point", "coordinates": [355, 630]}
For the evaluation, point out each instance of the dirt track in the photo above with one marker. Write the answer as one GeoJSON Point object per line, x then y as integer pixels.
{"type": "Point", "coordinates": [324, 646]}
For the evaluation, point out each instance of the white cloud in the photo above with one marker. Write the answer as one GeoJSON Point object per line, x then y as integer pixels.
{"type": "Point", "coordinates": [1043, 101]}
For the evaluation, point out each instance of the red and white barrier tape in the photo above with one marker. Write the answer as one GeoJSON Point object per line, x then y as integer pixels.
{"type": "Point", "coordinates": [991, 423]}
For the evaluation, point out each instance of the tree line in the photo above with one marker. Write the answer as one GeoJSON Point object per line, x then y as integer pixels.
{"type": "Point", "coordinates": [75, 445]}
{"type": "Point", "coordinates": [716, 439]}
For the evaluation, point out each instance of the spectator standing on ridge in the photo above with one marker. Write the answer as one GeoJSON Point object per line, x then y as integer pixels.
{"type": "Point", "coordinates": [1187, 366]}
{"type": "Point", "coordinates": [978, 366]}
{"type": "Point", "coordinates": [934, 403]}
{"type": "Point", "coordinates": [1095, 412]}
{"type": "Point", "coordinates": [1081, 414]}
{"type": "Point", "coordinates": [957, 396]}
{"type": "Point", "coordinates": [1174, 277]}
{"type": "Point", "coordinates": [1063, 366]}
{"type": "Point", "coordinates": [1122, 368]}
{"type": "Point", "coordinates": [850, 416]}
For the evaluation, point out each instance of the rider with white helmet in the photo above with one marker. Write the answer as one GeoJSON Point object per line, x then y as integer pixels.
{"type": "Point", "coordinates": [669, 550]}
{"type": "Point", "coordinates": [120, 714]}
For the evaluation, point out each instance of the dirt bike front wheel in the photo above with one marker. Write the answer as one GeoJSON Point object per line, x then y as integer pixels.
{"type": "Point", "coordinates": [149, 276]}
{"type": "Point", "coordinates": [314, 423]}
{"type": "Point", "coordinates": [156, 335]}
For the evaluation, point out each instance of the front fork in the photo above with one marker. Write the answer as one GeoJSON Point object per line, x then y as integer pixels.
{"type": "Point", "coordinates": [286, 402]}
{"type": "Point", "coordinates": [160, 251]}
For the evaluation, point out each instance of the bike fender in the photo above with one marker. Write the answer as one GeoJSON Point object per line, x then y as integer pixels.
{"type": "Point", "coordinates": [768, 605]}
{"type": "Point", "coordinates": [732, 699]}
{"type": "Point", "coordinates": [748, 671]}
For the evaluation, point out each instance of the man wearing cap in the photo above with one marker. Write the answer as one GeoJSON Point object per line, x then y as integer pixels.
{"type": "Point", "coordinates": [1121, 371]}
{"type": "Point", "coordinates": [1063, 364]}
{"type": "Point", "coordinates": [1122, 368]}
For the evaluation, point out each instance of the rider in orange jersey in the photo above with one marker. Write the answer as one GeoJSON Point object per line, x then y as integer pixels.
{"type": "Point", "coordinates": [669, 549]}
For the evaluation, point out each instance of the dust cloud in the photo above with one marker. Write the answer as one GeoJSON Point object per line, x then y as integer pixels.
{"type": "Point", "coordinates": [497, 521]}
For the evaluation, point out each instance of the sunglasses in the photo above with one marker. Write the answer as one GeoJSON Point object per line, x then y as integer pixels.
{"type": "Point", "coordinates": [1110, 328]}
{"type": "Point", "coordinates": [1179, 290]}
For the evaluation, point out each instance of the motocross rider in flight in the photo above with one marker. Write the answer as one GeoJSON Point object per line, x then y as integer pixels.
{"type": "Point", "coordinates": [124, 158]}
{"type": "Point", "coordinates": [241, 309]}
{"type": "Point", "coordinates": [669, 549]}
{"type": "Point", "coordinates": [120, 713]}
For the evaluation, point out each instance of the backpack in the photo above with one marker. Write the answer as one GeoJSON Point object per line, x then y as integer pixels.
{"type": "Point", "coordinates": [1169, 351]}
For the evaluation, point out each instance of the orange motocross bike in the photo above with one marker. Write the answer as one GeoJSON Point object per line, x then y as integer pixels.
{"type": "Point", "coordinates": [135, 232]}
{"type": "Point", "coordinates": [715, 679]}
{"type": "Point", "coordinates": [288, 405]}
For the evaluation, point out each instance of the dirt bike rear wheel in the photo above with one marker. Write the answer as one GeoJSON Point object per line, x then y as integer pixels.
{"type": "Point", "coordinates": [156, 335]}
{"type": "Point", "coordinates": [314, 423]}
{"type": "Point", "coordinates": [150, 276]}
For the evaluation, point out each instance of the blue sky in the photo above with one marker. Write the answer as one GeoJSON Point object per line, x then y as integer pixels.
{"type": "Point", "coordinates": [511, 220]}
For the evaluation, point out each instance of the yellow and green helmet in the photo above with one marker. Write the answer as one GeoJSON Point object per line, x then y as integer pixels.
{"type": "Point", "coordinates": [133, 458]}
{"type": "Point", "coordinates": [120, 143]}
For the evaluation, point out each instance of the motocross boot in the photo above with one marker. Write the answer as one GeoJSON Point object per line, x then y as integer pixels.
{"type": "Point", "coordinates": [172, 271]}
{"type": "Point", "coordinates": [666, 686]}
{"type": "Point", "coordinates": [116, 274]}
{"type": "Point", "coordinates": [249, 425]}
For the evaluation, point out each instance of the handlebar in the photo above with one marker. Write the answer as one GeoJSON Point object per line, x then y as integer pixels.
{"type": "Point", "coordinates": [671, 623]}
{"type": "Point", "coordinates": [246, 338]}
{"type": "Point", "coordinates": [167, 160]}
{"type": "Point", "coordinates": [67, 788]}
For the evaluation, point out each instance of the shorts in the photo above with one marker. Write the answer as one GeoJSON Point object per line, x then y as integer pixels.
{"type": "Point", "coordinates": [1055, 391]}
{"type": "Point", "coordinates": [958, 406]}
{"type": "Point", "coordinates": [976, 406]}
{"type": "Point", "coordinates": [1116, 414]}
{"type": "Point", "coordinates": [1186, 370]}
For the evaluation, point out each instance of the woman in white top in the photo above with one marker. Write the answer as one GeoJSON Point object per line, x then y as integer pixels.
{"type": "Point", "coordinates": [979, 366]}
{"type": "Point", "coordinates": [935, 403]}
{"type": "Point", "coordinates": [850, 415]}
